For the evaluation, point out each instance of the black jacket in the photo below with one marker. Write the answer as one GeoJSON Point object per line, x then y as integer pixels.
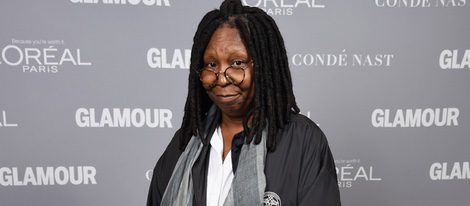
{"type": "Point", "coordinates": [300, 170]}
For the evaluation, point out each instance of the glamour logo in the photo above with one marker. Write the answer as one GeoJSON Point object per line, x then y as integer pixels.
{"type": "Point", "coordinates": [283, 7]}
{"type": "Point", "coordinates": [307, 114]}
{"type": "Point", "coordinates": [47, 176]}
{"type": "Point", "coordinates": [449, 171]}
{"type": "Point", "coordinates": [343, 59]}
{"type": "Point", "coordinates": [148, 175]}
{"type": "Point", "coordinates": [438, 117]}
{"type": "Point", "coordinates": [4, 122]}
{"type": "Point", "coordinates": [160, 58]}
{"type": "Point", "coordinates": [40, 56]}
{"type": "Point", "coordinates": [126, 117]}
{"type": "Point", "coordinates": [351, 171]}
{"type": "Point", "coordinates": [453, 59]}
{"type": "Point", "coordinates": [420, 3]}
{"type": "Point", "coordinates": [125, 2]}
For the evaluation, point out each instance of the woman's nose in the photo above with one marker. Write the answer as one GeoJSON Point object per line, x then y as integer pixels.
{"type": "Point", "coordinates": [222, 79]}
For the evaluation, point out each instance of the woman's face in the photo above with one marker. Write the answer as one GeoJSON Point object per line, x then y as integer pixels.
{"type": "Point", "coordinates": [226, 49]}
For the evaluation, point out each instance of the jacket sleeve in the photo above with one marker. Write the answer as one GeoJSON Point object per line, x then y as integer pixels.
{"type": "Point", "coordinates": [155, 194]}
{"type": "Point", "coordinates": [318, 184]}
{"type": "Point", "coordinates": [163, 170]}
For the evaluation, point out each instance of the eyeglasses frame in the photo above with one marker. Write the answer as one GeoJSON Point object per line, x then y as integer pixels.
{"type": "Point", "coordinates": [225, 74]}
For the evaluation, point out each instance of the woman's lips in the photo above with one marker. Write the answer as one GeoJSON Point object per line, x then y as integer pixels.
{"type": "Point", "coordinates": [227, 98]}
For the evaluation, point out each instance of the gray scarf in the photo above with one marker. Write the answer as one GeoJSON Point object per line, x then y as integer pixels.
{"type": "Point", "coordinates": [248, 184]}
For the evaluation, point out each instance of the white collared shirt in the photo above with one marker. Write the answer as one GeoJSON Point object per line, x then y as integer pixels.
{"type": "Point", "coordinates": [220, 173]}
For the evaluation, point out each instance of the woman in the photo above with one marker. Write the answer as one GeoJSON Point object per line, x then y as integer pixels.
{"type": "Point", "coordinates": [242, 141]}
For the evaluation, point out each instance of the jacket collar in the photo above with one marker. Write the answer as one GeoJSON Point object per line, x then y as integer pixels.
{"type": "Point", "coordinates": [210, 124]}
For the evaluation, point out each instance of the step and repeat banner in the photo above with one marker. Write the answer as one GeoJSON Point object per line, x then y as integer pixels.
{"type": "Point", "coordinates": [91, 92]}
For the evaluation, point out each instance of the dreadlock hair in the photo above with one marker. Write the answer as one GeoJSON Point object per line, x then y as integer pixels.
{"type": "Point", "coordinates": [273, 99]}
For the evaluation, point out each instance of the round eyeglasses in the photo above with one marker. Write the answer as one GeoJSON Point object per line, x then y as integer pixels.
{"type": "Point", "coordinates": [235, 73]}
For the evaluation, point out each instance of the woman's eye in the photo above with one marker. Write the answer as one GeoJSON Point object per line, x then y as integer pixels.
{"type": "Point", "coordinates": [211, 65]}
{"type": "Point", "coordinates": [238, 63]}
